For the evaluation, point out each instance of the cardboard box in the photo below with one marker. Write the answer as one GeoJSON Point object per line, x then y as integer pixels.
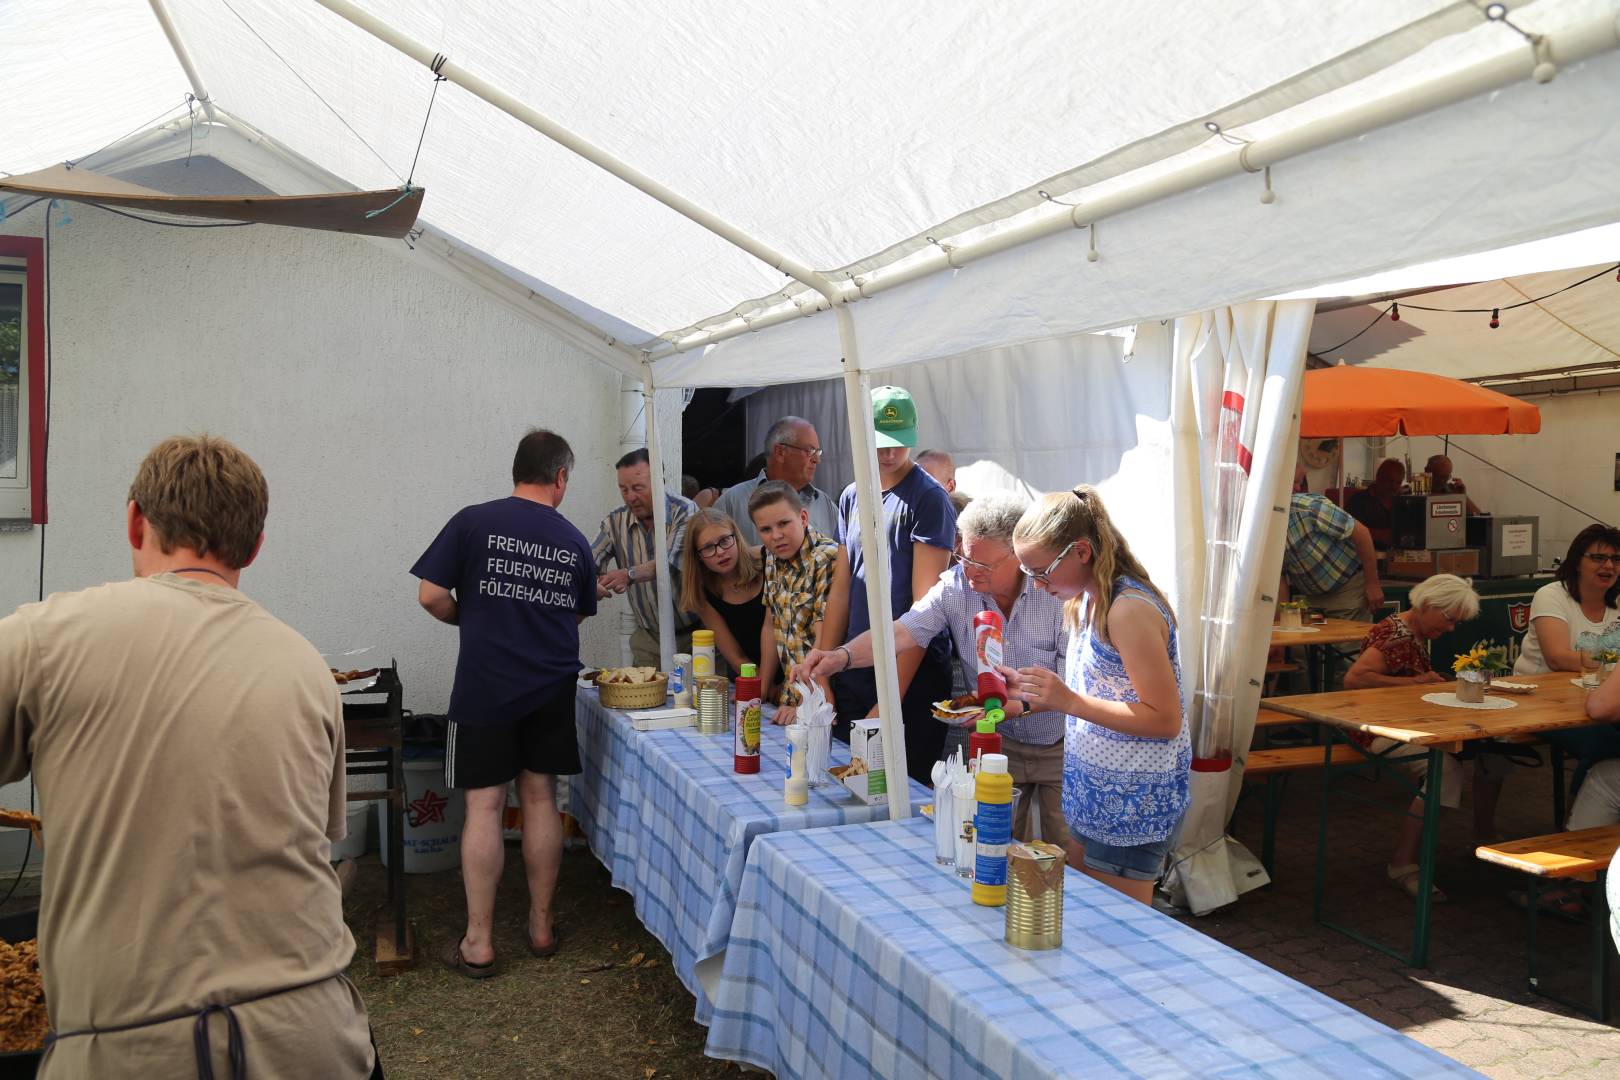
{"type": "Point", "coordinates": [865, 776]}
{"type": "Point", "coordinates": [1419, 564]}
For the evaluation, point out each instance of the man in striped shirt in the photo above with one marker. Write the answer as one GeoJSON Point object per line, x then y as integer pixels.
{"type": "Point", "coordinates": [626, 538]}
{"type": "Point", "coordinates": [986, 576]}
{"type": "Point", "coordinates": [1329, 561]}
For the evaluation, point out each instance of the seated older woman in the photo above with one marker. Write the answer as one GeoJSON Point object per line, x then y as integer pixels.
{"type": "Point", "coordinates": [1395, 652]}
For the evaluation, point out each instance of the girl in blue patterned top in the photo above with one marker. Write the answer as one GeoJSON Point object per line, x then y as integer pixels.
{"type": "Point", "coordinates": [1126, 751]}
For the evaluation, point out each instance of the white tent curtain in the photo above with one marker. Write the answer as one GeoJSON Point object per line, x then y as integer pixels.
{"type": "Point", "coordinates": [1236, 380]}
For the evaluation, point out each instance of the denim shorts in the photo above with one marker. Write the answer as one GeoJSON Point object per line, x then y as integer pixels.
{"type": "Point", "coordinates": [1143, 862]}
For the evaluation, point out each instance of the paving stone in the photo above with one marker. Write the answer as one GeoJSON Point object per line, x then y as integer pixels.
{"type": "Point", "coordinates": [1472, 1003]}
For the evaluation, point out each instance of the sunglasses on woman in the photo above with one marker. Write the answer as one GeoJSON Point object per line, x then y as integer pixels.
{"type": "Point", "coordinates": [725, 543]}
{"type": "Point", "coordinates": [1042, 576]}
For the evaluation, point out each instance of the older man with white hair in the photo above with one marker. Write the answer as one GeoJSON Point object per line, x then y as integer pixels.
{"type": "Point", "coordinates": [792, 452]}
{"type": "Point", "coordinates": [986, 576]}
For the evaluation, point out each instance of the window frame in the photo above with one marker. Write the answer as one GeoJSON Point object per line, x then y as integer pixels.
{"type": "Point", "coordinates": [27, 254]}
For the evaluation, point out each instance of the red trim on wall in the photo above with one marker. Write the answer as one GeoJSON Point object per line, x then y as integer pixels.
{"type": "Point", "coordinates": [31, 249]}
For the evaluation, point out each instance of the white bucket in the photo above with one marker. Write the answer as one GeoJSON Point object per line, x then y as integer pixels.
{"type": "Point", "coordinates": [353, 845]}
{"type": "Point", "coordinates": [434, 814]}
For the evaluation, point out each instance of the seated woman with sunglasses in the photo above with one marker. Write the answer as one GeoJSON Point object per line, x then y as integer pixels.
{"type": "Point", "coordinates": [1126, 752]}
{"type": "Point", "coordinates": [1582, 601]}
{"type": "Point", "coordinates": [722, 584]}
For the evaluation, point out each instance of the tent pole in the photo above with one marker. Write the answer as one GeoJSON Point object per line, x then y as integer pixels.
{"type": "Point", "coordinates": [655, 464]}
{"type": "Point", "coordinates": [176, 43]}
{"type": "Point", "coordinates": [875, 549]}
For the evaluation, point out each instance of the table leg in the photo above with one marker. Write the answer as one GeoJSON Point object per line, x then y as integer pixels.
{"type": "Point", "coordinates": [1426, 852]}
{"type": "Point", "coordinates": [1598, 915]}
{"type": "Point", "coordinates": [396, 846]}
{"type": "Point", "coordinates": [1322, 825]}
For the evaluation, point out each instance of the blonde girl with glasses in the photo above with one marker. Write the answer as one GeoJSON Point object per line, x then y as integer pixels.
{"type": "Point", "coordinates": [1126, 752]}
{"type": "Point", "coordinates": [722, 584]}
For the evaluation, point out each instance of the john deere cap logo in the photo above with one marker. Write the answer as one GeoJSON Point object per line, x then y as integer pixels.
{"type": "Point", "coordinates": [890, 412]}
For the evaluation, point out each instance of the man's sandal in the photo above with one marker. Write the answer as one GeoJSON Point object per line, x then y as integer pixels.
{"type": "Point", "coordinates": [461, 966]}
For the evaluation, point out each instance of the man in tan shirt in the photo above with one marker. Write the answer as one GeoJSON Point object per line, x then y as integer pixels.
{"type": "Point", "coordinates": [187, 748]}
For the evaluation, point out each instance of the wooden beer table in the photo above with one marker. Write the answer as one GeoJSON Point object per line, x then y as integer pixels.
{"type": "Point", "coordinates": [1422, 728]}
{"type": "Point", "coordinates": [1316, 639]}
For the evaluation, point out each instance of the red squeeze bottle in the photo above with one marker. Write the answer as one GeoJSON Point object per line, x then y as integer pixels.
{"type": "Point", "coordinates": [992, 686]}
{"type": "Point", "coordinates": [745, 732]}
{"type": "Point", "coordinates": [987, 631]}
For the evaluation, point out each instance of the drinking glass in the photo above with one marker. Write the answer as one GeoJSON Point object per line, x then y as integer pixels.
{"type": "Point", "coordinates": [1589, 666]}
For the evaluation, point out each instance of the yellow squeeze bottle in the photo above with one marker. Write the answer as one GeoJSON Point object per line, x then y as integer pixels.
{"type": "Point", "coordinates": [992, 831]}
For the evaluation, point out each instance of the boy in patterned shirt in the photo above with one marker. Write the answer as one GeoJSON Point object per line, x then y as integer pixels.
{"type": "Point", "coordinates": [806, 588]}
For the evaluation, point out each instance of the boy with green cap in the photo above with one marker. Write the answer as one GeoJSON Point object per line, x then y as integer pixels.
{"type": "Point", "coordinates": [919, 525]}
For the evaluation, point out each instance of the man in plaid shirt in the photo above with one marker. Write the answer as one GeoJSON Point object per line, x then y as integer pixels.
{"type": "Point", "coordinates": [1329, 560]}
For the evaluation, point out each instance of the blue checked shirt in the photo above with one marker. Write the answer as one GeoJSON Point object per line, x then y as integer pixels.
{"type": "Point", "coordinates": [1034, 637]}
{"type": "Point", "coordinates": [623, 540]}
{"type": "Point", "coordinates": [1319, 557]}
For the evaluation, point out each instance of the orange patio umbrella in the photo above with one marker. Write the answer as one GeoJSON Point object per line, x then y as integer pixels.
{"type": "Point", "coordinates": [1346, 402]}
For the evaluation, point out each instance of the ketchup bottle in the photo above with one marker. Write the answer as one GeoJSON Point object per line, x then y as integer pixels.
{"type": "Point", "coordinates": [745, 732]}
{"type": "Point", "coordinates": [987, 631]}
{"type": "Point", "coordinates": [992, 685]}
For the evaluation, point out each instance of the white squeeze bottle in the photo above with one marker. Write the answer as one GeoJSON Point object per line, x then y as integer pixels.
{"type": "Point", "coordinates": [796, 788]}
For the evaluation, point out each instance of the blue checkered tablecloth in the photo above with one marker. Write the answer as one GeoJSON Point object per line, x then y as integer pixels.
{"type": "Point", "coordinates": [670, 818]}
{"type": "Point", "coordinates": [852, 955]}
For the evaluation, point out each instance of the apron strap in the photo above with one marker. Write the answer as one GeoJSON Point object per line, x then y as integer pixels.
{"type": "Point", "coordinates": [205, 1055]}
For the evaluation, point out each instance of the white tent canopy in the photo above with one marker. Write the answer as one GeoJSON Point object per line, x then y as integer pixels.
{"type": "Point", "coordinates": [845, 137]}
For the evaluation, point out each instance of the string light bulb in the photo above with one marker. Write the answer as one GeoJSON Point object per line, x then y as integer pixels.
{"type": "Point", "coordinates": [1394, 313]}
{"type": "Point", "coordinates": [1496, 318]}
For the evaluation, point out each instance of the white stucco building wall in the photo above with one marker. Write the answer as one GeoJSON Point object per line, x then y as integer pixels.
{"type": "Point", "coordinates": [378, 397]}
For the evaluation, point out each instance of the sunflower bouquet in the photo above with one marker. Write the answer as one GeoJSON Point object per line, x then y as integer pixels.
{"type": "Point", "coordinates": [1475, 667]}
{"type": "Point", "coordinates": [1486, 657]}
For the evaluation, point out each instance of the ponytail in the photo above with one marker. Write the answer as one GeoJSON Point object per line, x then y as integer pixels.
{"type": "Point", "coordinates": [1068, 517]}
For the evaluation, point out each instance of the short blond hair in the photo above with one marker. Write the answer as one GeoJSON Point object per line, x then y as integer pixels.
{"type": "Point", "coordinates": [1448, 594]}
{"type": "Point", "coordinates": [202, 493]}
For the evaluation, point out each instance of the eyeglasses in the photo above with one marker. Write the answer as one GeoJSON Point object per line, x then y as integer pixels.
{"type": "Point", "coordinates": [1043, 575]}
{"type": "Point", "coordinates": [974, 564]}
{"type": "Point", "coordinates": [1604, 560]}
{"type": "Point", "coordinates": [813, 451]}
{"type": "Point", "coordinates": [725, 543]}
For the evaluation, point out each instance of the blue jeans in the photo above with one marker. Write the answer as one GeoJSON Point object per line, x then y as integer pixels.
{"type": "Point", "coordinates": [1142, 862]}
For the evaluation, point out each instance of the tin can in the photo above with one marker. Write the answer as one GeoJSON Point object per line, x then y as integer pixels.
{"type": "Point", "coordinates": [1035, 896]}
{"type": "Point", "coordinates": [712, 693]}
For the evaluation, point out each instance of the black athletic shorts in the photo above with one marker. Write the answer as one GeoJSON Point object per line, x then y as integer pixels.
{"type": "Point", "coordinates": [490, 755]}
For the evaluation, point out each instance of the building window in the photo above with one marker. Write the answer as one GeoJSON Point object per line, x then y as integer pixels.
{"type": "Point", "coordinates": [22, 380]}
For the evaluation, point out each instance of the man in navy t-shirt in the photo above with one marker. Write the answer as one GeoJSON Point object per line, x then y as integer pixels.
{"type": "Point", "coordinates": [919, 523]}
{"type": "Point", "coordinates": [517, 579]}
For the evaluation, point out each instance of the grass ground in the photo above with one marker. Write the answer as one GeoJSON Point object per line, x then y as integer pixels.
{"type": "Point", "coordinates": [607, 1005]}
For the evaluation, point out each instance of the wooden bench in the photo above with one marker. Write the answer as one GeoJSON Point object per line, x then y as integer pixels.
{"type": "Point", "coordinates": [1582, 856]}
{"type": "Point", "coordinates": [1274, 766]}
{"type": "Point", "coordinates": [1269, 718]}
